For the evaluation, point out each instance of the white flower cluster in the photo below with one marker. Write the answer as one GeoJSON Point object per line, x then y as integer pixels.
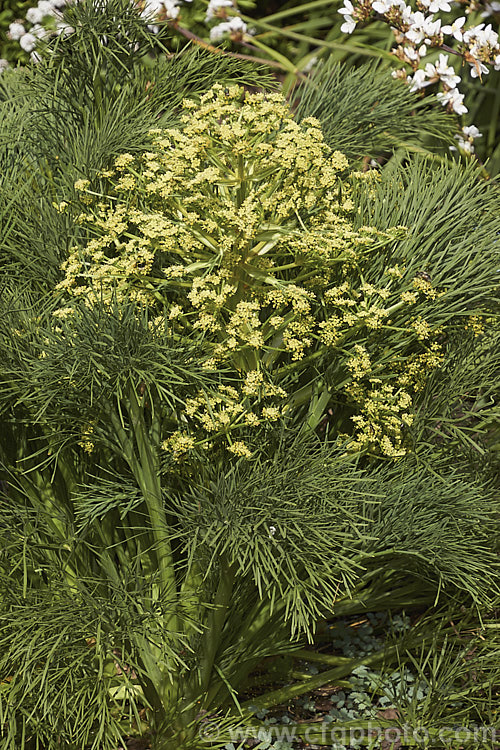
{"type": "Point", "coordinates": [466, 139]}
{"type": "Point", "coordinates": [45, 10]}
{"type": "Point", "coordinates": [417, 29]}
{"type": "Point", "coordinates": [234, 26]}
{"type": "Point", "coordinates": [161, 9]}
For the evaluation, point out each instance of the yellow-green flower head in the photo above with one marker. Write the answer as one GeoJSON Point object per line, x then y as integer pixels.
{"type": "Point", "coordinates": [236, 185]}
{"type": "Point", "coordinates": [238, 227]}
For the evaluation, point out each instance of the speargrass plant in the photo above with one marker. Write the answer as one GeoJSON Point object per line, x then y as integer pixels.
{"type": "Point", "coordinates": [240, 389]}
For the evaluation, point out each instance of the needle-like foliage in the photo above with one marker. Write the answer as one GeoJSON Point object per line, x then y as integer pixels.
{"type": "Point", "coordinates": [364, 112]}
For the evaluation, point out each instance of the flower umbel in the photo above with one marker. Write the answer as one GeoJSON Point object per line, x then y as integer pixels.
{"type": "Point", "coordinates": [237, 229]}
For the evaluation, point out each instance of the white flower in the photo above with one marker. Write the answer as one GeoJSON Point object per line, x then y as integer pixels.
{"type": "Point", "coordinates": [214, 6]}
{"type": "Point", "coordinates": [454, 99]}
{"type": "Point", "coordinates": [380, 6]}
{"type": "Point", "coordinates": [218, 32]}
{"type": "Point", "coordinates": [451, 81]}
{"type": "Point", "coordinates": [488, 36]}
{"type": "Point", "coordinates": [423, 28]}
{"type": "Point", "coordinates": [431, 28]}
{"type": "Point", "coordinates": [171, 8]}
{"type": "Point", "coordinates": [472, 33]}
{"type": "Point", "coordinates": [411, 53]}
{"type": "Point", "coordinates": [272, 531]}
{"type": "Point", "coordinates": [455, 29]}
{"type": "Point", "coordinates": [434, 5]}
{"type": "Point", "coordinates": [418, 81]}
{"type": "Point", "coordinates": [4, 64]}
{"type": "Point", "coordinates": [28, 42]}
{"type": "Point", "coordinates": [437, 5]}
{"type": "Point", "coordinates": [477, 69]}
{"type": "Point", "coordinates": [419, 18]}
{"type": "Point", "coordinates": [442, 66]}
{"type": "Point", "coordinates": [443, 71]}
{"type": "Point", "coordinates": [39, 31]}
{"type": "Point", "coordinates": [46, 7]}
{"type": "Point", "coordinates": [466, 146]}
{"type": "Point", "coordinates": [234, 25]}
{"type": "Point", "coordinates": [497, 62]}
{"type": "Point", "coordinates": [490, 9]}
{"type": "Point", "coordinates": [465, 139]}
{"type": "Point", "coordinates": [348, 9]}
{"type": "Point", "coordinates": [34, 15]}
{"type": "Point", "coordinates": [422, 50]}
{"type": "Point", "coordinates": [407, 14]}
{"type": "Point", "coordinates": [470, 131]}
{"type": "Point", "coordinates": [349, 25]}
{"type": "Point", "coordinates": [151, 8]}
{"type": "Point", "coordinates": [415, 34]}
{"type": "Point", "coordinates": [64, 28]}
{"type": "Point", "coordinates": [348, 12]}
{"type": "Point", "coordinates": [16, 31]}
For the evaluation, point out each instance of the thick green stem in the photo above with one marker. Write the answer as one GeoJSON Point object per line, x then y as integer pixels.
{"type": "Point", "coordinates": [149, 480]}
{"type": "Point", "coordinates": [146, 471]}
{"type": "Point", "coordinates": [215, 623]}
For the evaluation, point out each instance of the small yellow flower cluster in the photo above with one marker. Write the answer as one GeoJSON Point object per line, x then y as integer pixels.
{"type": "Point", "coordinates": [215, 412]}
{"type": "Point", "coordinates": [234, 197]}
{"type": "Point", "coordinates": [227, 409]}
{"type": "Point", "coordinates": [422, 329]}
{"type": "Point", "coordinates": [418, 366]}
{"type": "Point", "coordinates": [178, 443]}
{"type": "Point", "coordinates": [395, 272]}
{"type": "Point", "coordinates": [240, 449]}
{"type": "Point", "coordinates": [384, 415]}
{"type": "Point", "coordinates": [271, 413]}
{"type": "Point", "coordinates": [61, 207]}
{"type": "Point", "coordinates": [410, 298]}
{"type": "Point", "coordinates": [476, 324]}
{"type": "Point", "coordinates": [63, 312]}
{"type": "Point", "coordinates": [354, 308]}
{"type": "Point", "coordinates": [82, 185]}
{"type": "Point", "coordinates": [86, 441]}
{"type": "Point", "coordinates": [253, 383]}
{"type": "Point", "coordinates": [359, 363]}
{"type": "Point", "coordinates": [424, 286]}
